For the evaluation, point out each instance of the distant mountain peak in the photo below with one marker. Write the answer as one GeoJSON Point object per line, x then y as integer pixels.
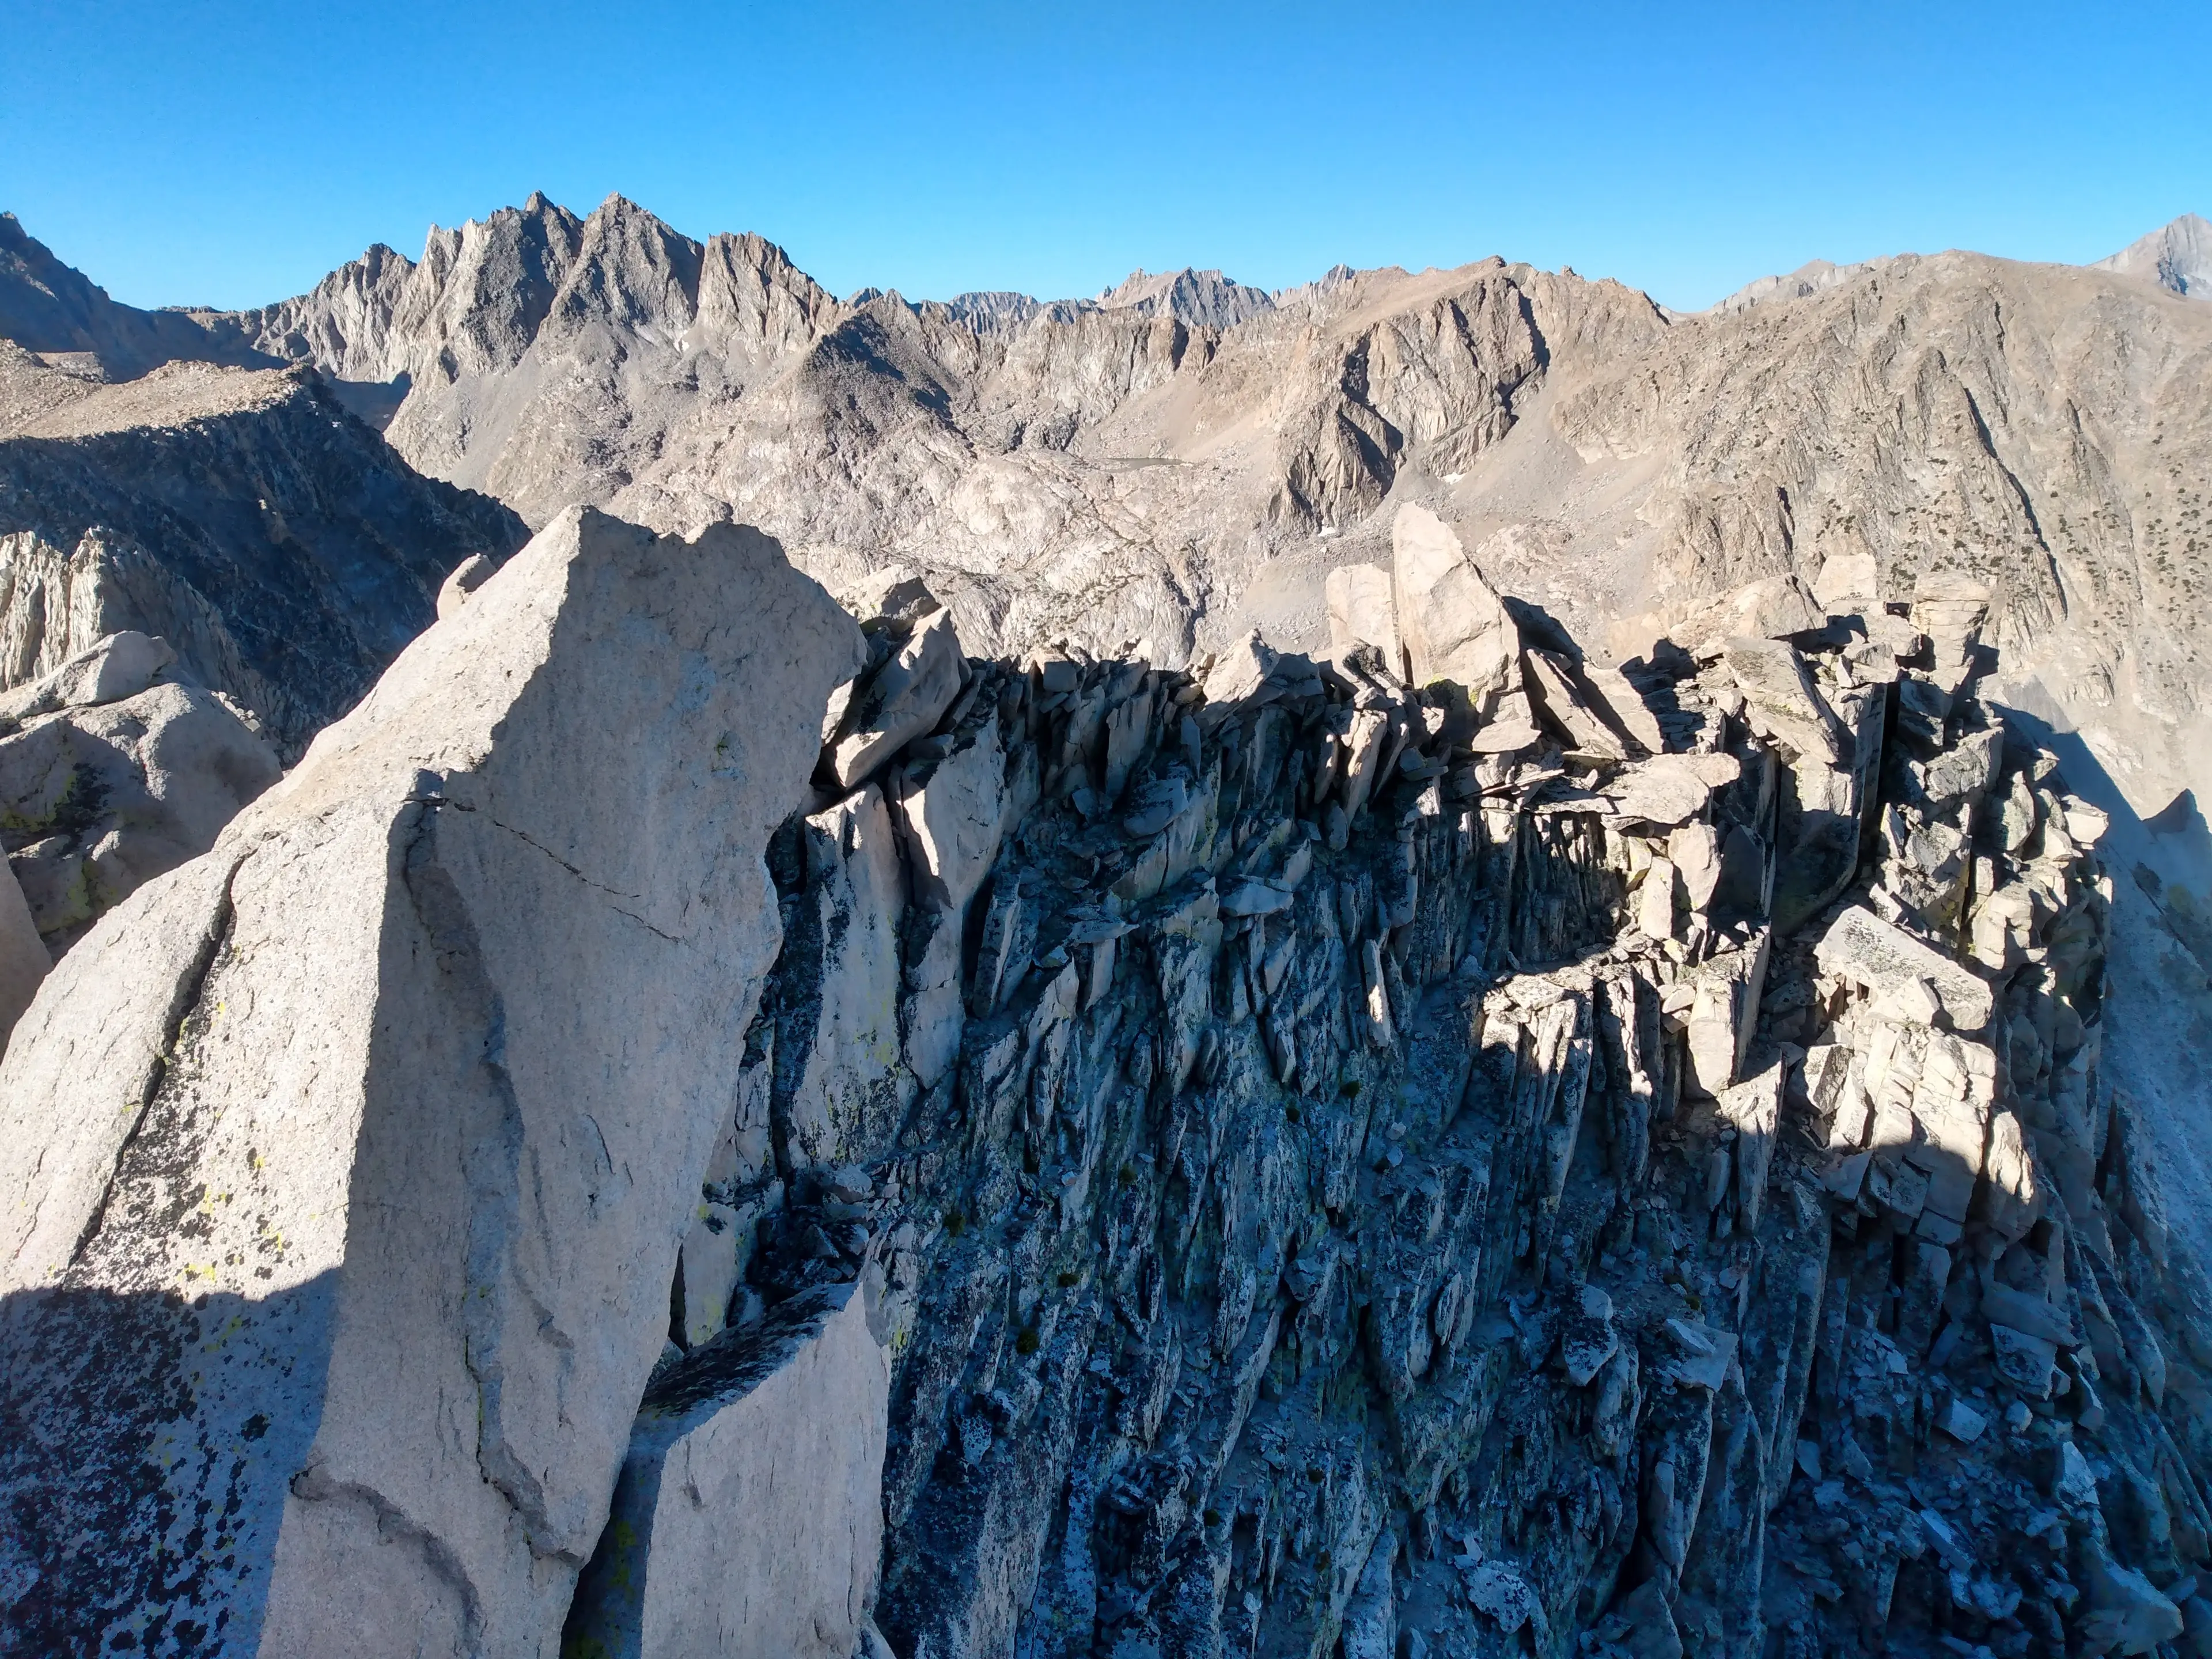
{"type": "Point", "coordinates": [2177, 256]}
{"type": "Point", "coordinates": [616, 206]}
{"type": "Point", "coordinates": [1814, 276]}
{"type": "Point", "coordinates": [1205, 298]}
{"type": "Point", "coordinates": [985, 309]}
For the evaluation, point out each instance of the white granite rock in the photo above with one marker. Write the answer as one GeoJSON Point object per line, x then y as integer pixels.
{"type": "Point", "coordinates": [1453, 625]}
{"type": "Point", "coordinates": [902, 700]}
{"type": "Point", "coordinates": [120, 666]}
{"type": "Point", "coordinates": [345, 1166]}
{"type": "Point", "coordinates": [750, 1513]}
{"type": "Point", "coordinates": [837, 1040]}
{"type": "Point", "coordinates": [1362, 610]}
{"type": "Point", "coordinates": [1885, 959]}
{"type": "Point", "coordinates": [467, 576]}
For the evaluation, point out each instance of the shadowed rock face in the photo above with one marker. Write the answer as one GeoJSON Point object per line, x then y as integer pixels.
{"type": "Point", "coordinates": [1385, 1182]}
{"type": "Point", "coordinates": [332, 1159]}
{"type": "Point", "coordinates": [281, 548]}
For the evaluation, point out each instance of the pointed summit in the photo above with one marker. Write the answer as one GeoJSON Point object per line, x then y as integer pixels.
{"type": "Point", "coordinates": [2177, 256]}
{"type": "Point", "coordinates": [632, 271]}
{"type": "Point", "coordinates": [1204, 298]}
{"type": "Point", "coordinates": [616, 206]}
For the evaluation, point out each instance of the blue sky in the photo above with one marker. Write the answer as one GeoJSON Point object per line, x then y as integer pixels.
{"type": "Point", "coordinates": [231, 153]}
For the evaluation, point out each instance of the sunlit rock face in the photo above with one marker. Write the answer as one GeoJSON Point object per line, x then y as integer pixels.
{"type": "Point", "coordinates": [333, 1158]}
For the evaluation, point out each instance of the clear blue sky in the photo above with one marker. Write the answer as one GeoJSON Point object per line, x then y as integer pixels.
{"type": "Point", "coordinates": [231, 153]}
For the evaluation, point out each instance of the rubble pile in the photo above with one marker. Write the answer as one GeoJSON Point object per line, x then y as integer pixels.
{"type": "Point", "coordinates": [1554, 1158]}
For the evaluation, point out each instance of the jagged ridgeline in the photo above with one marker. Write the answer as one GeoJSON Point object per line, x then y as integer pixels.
{"type": "Point", "coordinates": [1451, 1147]}
{"type": "Point", "coordinates": [1569, 1163]}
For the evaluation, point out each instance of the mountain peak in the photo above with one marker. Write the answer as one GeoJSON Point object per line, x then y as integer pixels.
{"type": "Point", "coordinates": [619, 206]}
{"type": "Point", "coordinates": [47, 306]}
{"type": "Point", "coordinates": [2177, 256]}
{"type": "Point", "coordinates": [1204, 298]}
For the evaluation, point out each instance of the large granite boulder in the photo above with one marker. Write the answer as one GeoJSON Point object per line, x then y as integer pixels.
{"type": "Point", "coordinates": [1362, 610]}
{"type": "Point", "coordinates": [345, 1167]}
{"type": "Point", "coordinates": [1452, 623]}
{"type": "Point", "coordinates": [900, 702]}
{"type": "Point", "coordinates": [96, 799]}
{"type": "Point", "coordinates": [749, 1518]}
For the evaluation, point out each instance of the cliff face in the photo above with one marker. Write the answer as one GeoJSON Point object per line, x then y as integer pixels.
{"type": "Point", "coordinates": [1343, 1177]}
{"type": "Point", "coordinates": [281, 547]}
{"type": "Point", "coordinates": [325, 1200]}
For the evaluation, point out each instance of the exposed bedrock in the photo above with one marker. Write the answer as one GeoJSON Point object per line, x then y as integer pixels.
{"type": "Point", "coordinates": [750, 1514]}
{"type": "Point", "coordinates": [1290, 1155]}
{"type": "Point", "coordinates": [346, 1165]}
{"type": "Point", "coordinates": [116, 767]}
{"type": "Point", "coordinates": [1613, 1163]}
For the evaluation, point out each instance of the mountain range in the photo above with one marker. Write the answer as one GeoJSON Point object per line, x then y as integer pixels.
{"type": "Point", "coordinates": [1470, 993]}
{"type": "Point", "coordinates": [1185, 456]}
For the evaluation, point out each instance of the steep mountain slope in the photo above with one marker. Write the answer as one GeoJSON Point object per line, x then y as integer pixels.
{"type": "Point", "coordinates": [282, 548]}
{"type": "Point", "coordinates": [47, 307]}
{"type": "Point", "coordinates": [2175, 256]}
{"type": "Point", "coordinates": [1815, 276]}
{"type": "Point", "coordinates": [2043, 429]}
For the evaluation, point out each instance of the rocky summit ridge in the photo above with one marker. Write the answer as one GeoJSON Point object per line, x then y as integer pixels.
{"type": "Point", "coordinates": [1427, 965]}
{"type": "Point", "coordinates": [703, 1120]}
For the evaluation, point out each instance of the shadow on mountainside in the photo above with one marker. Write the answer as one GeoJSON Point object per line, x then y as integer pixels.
{"type": "Point", "coordinates": [2159, 1009]}
{"type": "Point", "coordinates": [101, 1550]}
